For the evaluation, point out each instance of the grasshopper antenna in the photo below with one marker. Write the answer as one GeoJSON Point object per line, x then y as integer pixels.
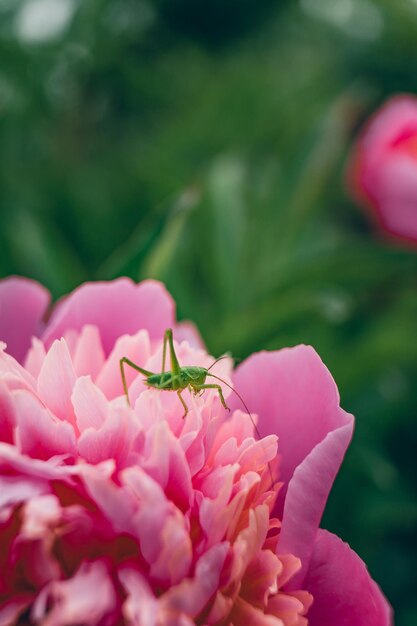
{"type": "Point", "coordinates": [224, 356]}
{"type": "Point", "coordinates": [246, 409]}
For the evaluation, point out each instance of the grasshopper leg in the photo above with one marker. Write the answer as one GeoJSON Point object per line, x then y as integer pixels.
{"type": "Point", "coordinates": [182, 402]}
{"type": "Point", "coordinates": [213, 386]}
{"type": "Point", "coordinates": [125, 361]}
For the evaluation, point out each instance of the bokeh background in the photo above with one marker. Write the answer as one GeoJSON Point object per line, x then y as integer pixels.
{"type": "Point", "coordinates": [205, 144]}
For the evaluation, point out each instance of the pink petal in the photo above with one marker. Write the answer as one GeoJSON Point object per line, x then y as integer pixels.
{"type": "Point", "coordinates": [17, 489]}
{"type": "Point", "coordinates": [187, 331]}
{"type": "Point", "coordinates": [295, 397]}
{"type": "Point", "coordinates": [7, 415]}
{"type": "Point", "coordinates": [115, 502]}
{"type": "Point", "coordinates": [40, 514]}
{"type": "Point", "coordinates": [32, 548]}
{"type": "Point", "coordinates": [12, 461]}
{"type": "Point", "coordinates": [193, 594]}
{"type": "Point", "coordinates": [250, 540]}
{"type": "Point", "coordinates": [89, 355]}
{"type": "Point", "coordinates": [85, 599]}
{"type": "Point", "coordinates": [165, 461]}
{"type": "Point", "coordinates": [56, 381]}
{"type": "Point", "coordinates": [307, 495]}
{"type": "Point", "coordinates": [313, 433]}
{"type": "Point", "coordinates": [244, 614]}
{"type": "Point", "coordinates": [175, 557]}
{"type": "Point", "coordinates": [35, 357]}
{"type": "Point", "coordinates": [153, 511]}
{"type": "Point", "coordinates": [14, 375]}
{"type": "Point", "coordinates": [90, 404]}
{"type": "Point", "coordinates": [137, 349]}
{"type": "Point", "coordinates": [291, 608]}
{"type": "Point", "coordinates": [261, 578]}
{"type": "Point", "coordinates": [344, 593]}
{"type": "Point", "coordinates": [10, 611]}
{"type": "Point", "coordinates": [23, 303]}
{"type": "Point", "coordinates": [113, 440]}
{"type": "Point", "coordinates": [396, 195]}
{"type": "Point", "coordinates": [219, 511]}
{"type": "Point", "coordinates": [140, 606]}
{"type": "Point", "coordinates": [39, 434]}
{"type": "Point", "coordinates": [117, 307]}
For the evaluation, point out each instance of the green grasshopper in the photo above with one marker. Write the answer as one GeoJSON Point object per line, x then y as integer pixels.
{"type": "Point", "coordinates": [179, 378]}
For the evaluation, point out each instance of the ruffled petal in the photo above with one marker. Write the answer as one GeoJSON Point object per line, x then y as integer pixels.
{"type": "Point", "coordinates": [39, 434]}
{"type": "Point", "coordinates": [87, 598]}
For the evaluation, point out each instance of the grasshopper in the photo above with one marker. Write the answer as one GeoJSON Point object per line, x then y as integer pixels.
{"type": "Point", "coordinates": [178, 378]}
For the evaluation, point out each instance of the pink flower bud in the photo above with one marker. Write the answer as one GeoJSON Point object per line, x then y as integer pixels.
{"type": "Point", "coordinates": [382, 173]}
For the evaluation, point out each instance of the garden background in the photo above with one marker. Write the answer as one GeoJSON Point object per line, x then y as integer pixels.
{"type": "Point", "coordinates": [205, 144]}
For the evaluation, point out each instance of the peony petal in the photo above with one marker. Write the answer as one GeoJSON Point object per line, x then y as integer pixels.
{"type": "Point", "coordinates": [7, 414]}
{"type": "Point", "coordinates": [137, 349]}
{"type": "Point", "coordinates": [89, 355]}
{"type": "Point", "coordinates": [165, 461]}
{"type": "Point", "coordinates": [154, 511]}
{"type": "Point", "coordinates": [113, 440]}
{"type": "Point", "coordinates": [90, 404]}
{"type": "Point", "coordinates": [117, 308]}
{"type": "Point", "coordinates": [17, 489]}
{"type": "Point", "coordinates": [115, 502]}
{"type": "Point", "coordinates": [261, 578]}
{"type": "Point", "coordinates": [10, 611]}
{"type": "Point", "coordinates": [244, 614]}
{"type": "Point", "coordinates": [32, 549]}
{"type": "Point", "coordinates": [14, 375]}
{"type": "Point", "coordinates": [140, 606]}
{"type": "Point", "coordinates": [13, 462]}
{"type": "Point", "coordinates": [35, 357]}
{"type": "Point", "coordinates": [307, 495]}
{"type": "Point", "coordinates": [176, 554]}
{"type": "Point", "coordinates": [395, 202]}
{"type": "Point", "coordinates": [295, 397]}
{"type": "Point", "coordinates": [86, 599]}
{"type": "Point", "coordinates": [56, 382]}
{"type": "Point", "coordinates": [39, 434]}
{"type": "Point", "coordinates": [291, 608]}
{"type": "Point", "coordinates": [23, 303]}
{"type": "Point", "coordinates": [344, 593]}
{"type": "Point", "coordinates": [187, 331]}
{"type": "Point", "coordinates": [193, 594]}
{"type": "Point", "coordinates": [215, 513]}
{"type": "Point", "coordinates": [313, 432]}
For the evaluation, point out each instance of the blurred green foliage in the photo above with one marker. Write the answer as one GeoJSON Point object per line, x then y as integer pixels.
{"type": "Point", "coordinates": [203, 143]}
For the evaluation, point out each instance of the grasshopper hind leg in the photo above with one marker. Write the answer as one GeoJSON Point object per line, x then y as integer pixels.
{"type": "Point", "coordinates": [122, 363]}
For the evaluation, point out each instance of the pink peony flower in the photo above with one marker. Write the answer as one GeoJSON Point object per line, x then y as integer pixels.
{"type": "Point", "coordinates": [383, 168]}
{"type": "Point", "coordinates": [113, 515]}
